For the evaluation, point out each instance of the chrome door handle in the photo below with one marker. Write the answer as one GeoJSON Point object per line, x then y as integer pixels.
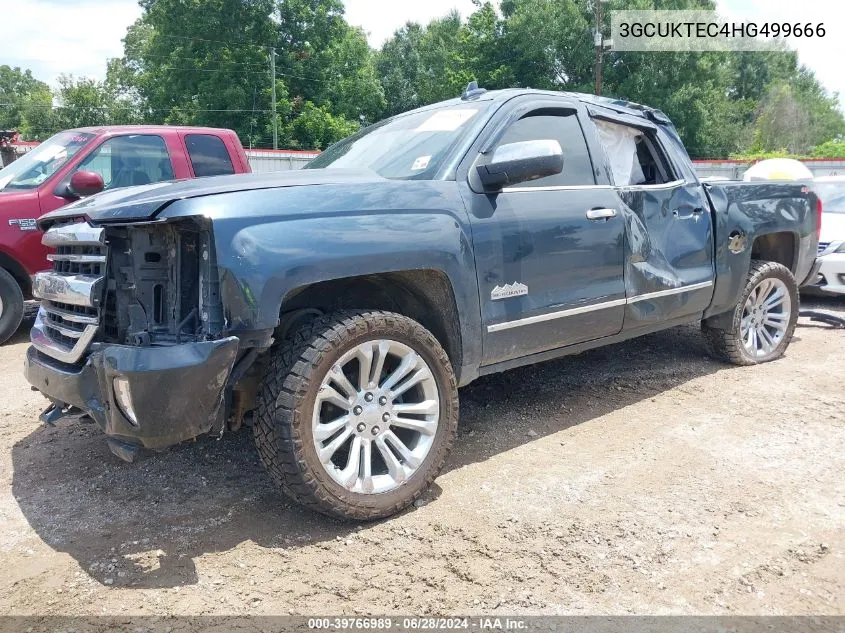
{"type": "Point", "coordinates": [601, 214]}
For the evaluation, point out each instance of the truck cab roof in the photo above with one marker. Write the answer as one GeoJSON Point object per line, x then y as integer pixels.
{"type": "Point", "coordinates": [618, 105]}
{"type": "Point", "coordinates": [114, 130]}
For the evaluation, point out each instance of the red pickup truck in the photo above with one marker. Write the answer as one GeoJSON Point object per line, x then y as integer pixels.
{"type": "Point", "coordinates": [82, 162]}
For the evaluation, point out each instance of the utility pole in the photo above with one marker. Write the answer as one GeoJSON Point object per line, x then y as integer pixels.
{"type": "Point", "coordinates": [598, 40]}
{"type": "Point", "coordinates": [273, 93]}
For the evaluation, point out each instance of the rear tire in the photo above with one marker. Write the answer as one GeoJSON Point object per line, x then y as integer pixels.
{"type": "Point", "coordinates": [763, 321]}
{"type": "Point", "coordinates": [11, 306]}
{"type": "Point", "coordinates": [357, 413]}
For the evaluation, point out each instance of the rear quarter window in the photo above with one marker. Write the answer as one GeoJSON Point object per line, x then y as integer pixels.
{"type": "Point", "coordinates": [208, 154]}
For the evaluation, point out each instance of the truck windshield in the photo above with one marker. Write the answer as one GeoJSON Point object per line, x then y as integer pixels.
{"type": "Point", "coordinates": [31, 169]}
{"type": "Point", "coordinates": [405, 147]}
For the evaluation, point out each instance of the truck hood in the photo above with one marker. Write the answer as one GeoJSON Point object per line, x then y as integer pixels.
{"type": "Point", "coordinates": [146, 201]}
{"type": "Point", "coordinates": [833, 227]}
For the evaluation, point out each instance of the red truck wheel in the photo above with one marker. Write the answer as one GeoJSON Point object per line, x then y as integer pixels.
{"type": "Point", "coordinates": [11, 305]}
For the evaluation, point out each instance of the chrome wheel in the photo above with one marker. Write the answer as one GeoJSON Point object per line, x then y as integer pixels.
{"type": "Point", "coordinates": [375, 416]}
{"type": "Point", "coordinates": [765, 318]}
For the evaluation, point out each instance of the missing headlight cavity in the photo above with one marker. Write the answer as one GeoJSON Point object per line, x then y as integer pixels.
{"type": "Point", "coordinates": [152, 283]}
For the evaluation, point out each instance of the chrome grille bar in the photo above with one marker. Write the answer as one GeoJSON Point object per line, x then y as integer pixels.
{"type": "Point", "coordinates": [67, 315]}
{"type": "Point", "coordinates": [79, 234]}
{"type": "Point", "coordinates": [71, 293]}
{"type": "Point", "coordinates": [79, 259]}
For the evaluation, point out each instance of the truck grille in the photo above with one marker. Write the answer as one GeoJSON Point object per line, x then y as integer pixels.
{"type": "Point", "coordinates": [71, 293]}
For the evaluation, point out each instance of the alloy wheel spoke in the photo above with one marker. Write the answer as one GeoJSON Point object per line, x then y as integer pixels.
{"type": "Point", "coordinates": [367, 470]}
{"type": "Point", "coordinates": [331, 448]}
{"type": "Point", "coordinates": [365, 359]}
{"type": "Point", "coordinates": [426, 427]}
{"type": "Point", "coordinates": [394, 467]}
{"type": "Point", "coordinates": [426, 407]}
{"type": "Point", "coordinates": [762, 292]}
{"type": "Point", "coordinates": [340, 379]}
{"type": "Point", "coordinates": [408, 363]}
{"type": "Point", "coordinates": [328, 393]}
{"type": "Point", "coordinates": [324, 431]}
{"type": "Point", "coordinates": [404, 452]}
{"type": "Point", "coordinates": [378, 363]}
{"type": "Point", "coordinates": [766, 340]}
{"type": "Point", "coordinates": [418, 377]}
{"type": "Point", "coordinates": [752, 342]}
{"type": "Point", "coordinates": [775, 300]}
{"type": "Point", "coordinates": [775, 324]}
{"type": "Point", "coordinates": [353, 464]}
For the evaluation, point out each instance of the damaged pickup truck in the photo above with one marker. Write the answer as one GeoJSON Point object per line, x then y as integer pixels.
{"type": "Point", "coordinates": [338, 309]}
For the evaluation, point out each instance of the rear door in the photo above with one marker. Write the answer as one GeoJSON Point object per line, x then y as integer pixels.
{"type": "Point", "coordinates": [548, 275]}
{"type": "Point", "coordinates": [669, 270]}
{"type": "Point", "coordinates": [208, 154]}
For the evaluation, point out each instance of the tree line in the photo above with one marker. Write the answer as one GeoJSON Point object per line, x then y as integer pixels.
{"type": "Point", "coordinates": [206, 62]}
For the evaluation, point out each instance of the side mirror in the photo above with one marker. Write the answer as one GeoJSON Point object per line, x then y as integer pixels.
{"type": "Point", "coordinates": [519, 162]}
{"type": "Point", "coordinates": [85, 183]}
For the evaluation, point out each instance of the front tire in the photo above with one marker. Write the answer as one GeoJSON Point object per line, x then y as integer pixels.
{"type": "Point", "coordinates": [357, 414]}
{"type": "Point", "coordinates": [11, 306]}
{"type": "Point", "coordinates": [763, 321]}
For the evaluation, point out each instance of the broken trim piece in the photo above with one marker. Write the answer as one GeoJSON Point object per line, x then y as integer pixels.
{"type": "Point", "coordinates": [670, 291]}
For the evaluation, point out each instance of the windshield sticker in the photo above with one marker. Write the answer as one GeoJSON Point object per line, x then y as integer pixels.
{"type": "Point", "coordinates": [421, 163]}
{"type": "Point", "coordinates": [446, 120]}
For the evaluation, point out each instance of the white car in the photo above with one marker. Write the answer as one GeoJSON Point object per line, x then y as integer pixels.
{"type": "Point", "coordinates": [831, 191]}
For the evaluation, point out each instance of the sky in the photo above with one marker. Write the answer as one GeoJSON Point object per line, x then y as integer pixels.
{"type": "Point", "coordinates": [50, 36]}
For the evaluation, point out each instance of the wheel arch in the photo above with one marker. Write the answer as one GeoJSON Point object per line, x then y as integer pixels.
{"type": "Point", "coordinates": [16, 270]}
{"type": "Point", "coordinates": [780, 247]}
{"type": "Point", "coordinates": [424, 295]}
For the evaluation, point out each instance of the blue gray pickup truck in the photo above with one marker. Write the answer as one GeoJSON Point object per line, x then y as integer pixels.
{"type": "Point", "coordinates": [338, 309]}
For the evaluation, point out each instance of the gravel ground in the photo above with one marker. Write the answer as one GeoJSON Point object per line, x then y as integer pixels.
{"type": "Point", "coordinates": [638, 478]}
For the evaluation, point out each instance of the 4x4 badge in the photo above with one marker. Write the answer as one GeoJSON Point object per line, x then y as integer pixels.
{"type": "Point", "coordinates": [515, 289]}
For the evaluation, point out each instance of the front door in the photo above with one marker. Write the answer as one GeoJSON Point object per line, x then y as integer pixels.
{"type": "Point", "coordinates": [549, 252]}
{"type": "Point", "coordinates": [669, 269]}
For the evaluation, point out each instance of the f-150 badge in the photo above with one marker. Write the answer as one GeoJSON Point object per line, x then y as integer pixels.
{"type": "Point", "coordinates": [507, 291]}
{"type": "Point", "coordinates": [24, 224]}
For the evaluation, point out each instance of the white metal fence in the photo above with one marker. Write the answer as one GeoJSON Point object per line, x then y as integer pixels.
{"type": "Point", "coordinates": [263, 160]}
{"type": "Point", "coordinates": [734, 169]}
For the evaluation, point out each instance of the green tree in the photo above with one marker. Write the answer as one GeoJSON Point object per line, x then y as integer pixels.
{"type": "Point", "coordinates": [324, 60]}
{"type": "Point", "coordinates": [25, 104]}
{"type": "Point", "coordinates": [88, 102]}
{"type": "Point", "coordinates": [795, 117]}
{"type": "Point", "coordinates": [201, 62]}
{"type": "Point", "coordinates": [315, 127]}
{"type": "Point", "coordinates": [830, 149]}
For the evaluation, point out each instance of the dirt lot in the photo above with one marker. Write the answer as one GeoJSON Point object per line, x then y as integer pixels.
{"type": "Point", "coordinates": [639, 478]}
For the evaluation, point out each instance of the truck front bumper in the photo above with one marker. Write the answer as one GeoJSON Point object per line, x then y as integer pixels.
{"type": "Point", "coordinates": [142, 396]}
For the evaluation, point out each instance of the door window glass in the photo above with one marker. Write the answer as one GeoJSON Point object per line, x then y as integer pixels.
{"type": "Point", "coordinates": [126, 161]}
{"type": "Point", "coordinates": [633, 154]}
{"type": "Point", "coordinates": [209, 155]}
{"type": "Point", "coordinates": [562, 126]}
